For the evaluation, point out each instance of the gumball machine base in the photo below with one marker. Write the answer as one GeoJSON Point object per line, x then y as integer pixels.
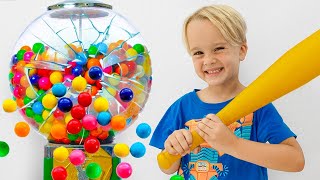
{"type": "Point", "coordinates": [104, 157]}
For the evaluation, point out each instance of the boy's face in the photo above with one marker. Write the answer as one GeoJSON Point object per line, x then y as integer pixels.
{"type": "Point", "coordinates": [214, 59]}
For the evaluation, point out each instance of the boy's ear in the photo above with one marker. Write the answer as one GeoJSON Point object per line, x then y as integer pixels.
{"type": "Point", "coordinates": [243, 51]}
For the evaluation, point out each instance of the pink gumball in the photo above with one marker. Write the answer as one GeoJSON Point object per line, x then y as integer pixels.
{"type": "Point", "coordinates": [124, 170]}
{"type": "Point", "coordinates": [89, 122]}
{"type": "Point", "coordinates": [108, 70]}
{"type": "Point", "coordinates": [19, 92]}
{"type": "Point", "coordinates": [77, 157]}
{"type": "Point", "coordinates": [44, 83]}
{"type": "Point", "coordinates": [27, 56]}
{"type": "Point", "coordinates": [16, 78]}
{"type": "Point", "coordinates": [68, 78]}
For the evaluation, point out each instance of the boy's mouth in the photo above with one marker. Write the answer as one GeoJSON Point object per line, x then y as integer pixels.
{"type": "Point", "coordinates": [214, 71]}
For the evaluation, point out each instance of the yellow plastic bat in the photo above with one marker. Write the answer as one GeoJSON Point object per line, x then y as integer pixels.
{"type": "Point", "coordinates": [295, 68]}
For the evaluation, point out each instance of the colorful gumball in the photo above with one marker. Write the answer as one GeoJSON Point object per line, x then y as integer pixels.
{"type": "Point", "coordinates": [118, 122]}
{"type": "Point", "coordinates": [91, 145]}
{"type": "Point", "coordinates": [138, 150]}
{"type": "Point", "coordinates": [84, 99]}
{"type": "Point", "coordinates": [58, 114]}
{"type": "Point", "coordinates": [121, 150]}
{"type": "Point", "coordinates": [59, 90]}
{"type": "Point", "coordinates": [22, 129]}
{"type": "Point", "coordinates": [104, 118]}
{"type": "Point", "coordinates": [95, 73]}
{"type": "Point", "coordinates": [37, 107]}
{"type": "Point", "coordinates": [126, 94]}
{"type": "Point", "coordinates": [74, 126]}
{"type": "Point", "coordinates": [65, 104]}
{"type": "Point", "coordinates": [143, 130]}
{"type": "Point", "coordinates": [9, 105]}
{"type": "Point", "coordinates": [4, 149]}
{"type": "Point", "coordinates": [89, 122]}
{"type": "Point", "coordinates": [176, 177]}
{"type": "Point", "coordinates": [58, 131]}
{"type": "Point", "coordinates": [34, 79]}
{"type": "Point", "coordinates": [122, 69]}
{"type": "Point", "coordinates": [78, 112]}
{"type": "Point", "coordinates": [101, 104]}
{"type": "Point", "coordinates": [49, 101]}
{"type": "Point", "coordinates": [124, 170]}
{"type": "Point", "coordinates": [56, 77]}
{"type": "Point", "coordinates": [59, 173]}
{"type": "Point", "coordinates": [60, 154]}
{"type": "Point", "coordinates": [93, 171]}
{"type": "Point", "coordinates": [79, 83]}
{"type": "Point", "coordinates": [38, 48]}
{"type": "Point", "coordinates": [77, 157]}
{"type": "Point", "coordinates": [77, 71]}
{"type": "Point", "coordinates": [44, 83]}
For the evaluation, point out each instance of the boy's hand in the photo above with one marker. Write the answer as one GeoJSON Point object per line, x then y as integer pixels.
{"type": "Point", "coordinates": [216, 134]}
{"type": "Point", "coordinates": [179, 142]}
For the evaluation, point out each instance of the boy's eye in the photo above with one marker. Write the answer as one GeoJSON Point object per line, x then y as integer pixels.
{"type": "Point", "coordinates": [197, 53]}
{"type": "Point", "coordinates": [218, 49]}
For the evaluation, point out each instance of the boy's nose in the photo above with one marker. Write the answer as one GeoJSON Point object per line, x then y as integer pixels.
{"type": "Point", "coordinates": [209, 62]}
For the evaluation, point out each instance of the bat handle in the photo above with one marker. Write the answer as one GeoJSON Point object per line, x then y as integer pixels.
{"type": "Point", "coordinates": [166, 160]}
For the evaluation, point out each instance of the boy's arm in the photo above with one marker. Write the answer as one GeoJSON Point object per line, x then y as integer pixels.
{"type": "Point", "coordinates": [286, 156]}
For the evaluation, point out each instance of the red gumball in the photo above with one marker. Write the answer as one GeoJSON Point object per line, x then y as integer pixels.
{"type": "Point", "coordinates": [59, 173]}
{"type": "Point", "coordinates": [58, 114]}
{"type": "Point", "coordinates": [78, 112]}
{"type": "Point", "coordinates": [43, 72]}
{"type": "Point", "coordinates": [84, 99]}
{"type": "Point", "coordinates": [44, 83]}
{"type": "Point", "coordinates": [74, 126]}
{"type": "Point", "coordinates": [91, 144]}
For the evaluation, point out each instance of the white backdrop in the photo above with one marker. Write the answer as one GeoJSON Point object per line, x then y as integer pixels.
{"type": "Point", "coordinates": [273, 27]}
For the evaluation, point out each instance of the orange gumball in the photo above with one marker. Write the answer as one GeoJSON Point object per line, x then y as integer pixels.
{"type": "Point", "coordinates": [94, 90]}
{"type": "Point", "coordinates": [123, 44]}
{"type": "Point", "coordinates": [118, 122]}
{"type": "Point", "coordinates": [27, 48]}
{"type": "Point", "coordinates": [93, 62]}
{"type": "Point", "coordinates": [20, 102]}
{"type": "Point", "coordinates": [22, 129]}
{"type": "Point", "coordinates": [96, 132]}
{"type": "Point", "coordinates": [58, 131]}
{"type": "Point", "coordinates": [20, 66]}
{"type": "Point", "coordinates": [36, 57]}
{"type": "Point", "coordinates": [112, 46]}
{"type": "Point", "coordinates": [24, 81]}
{"type": "Point", "coordinates": [122, 69]}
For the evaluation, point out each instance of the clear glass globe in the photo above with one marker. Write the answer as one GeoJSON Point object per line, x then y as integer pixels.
{"type": "Point", "coordinates": [79, 69]}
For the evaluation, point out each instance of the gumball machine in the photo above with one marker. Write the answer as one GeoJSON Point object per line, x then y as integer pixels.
{"type": "Point", "coordinates": [80, 74]}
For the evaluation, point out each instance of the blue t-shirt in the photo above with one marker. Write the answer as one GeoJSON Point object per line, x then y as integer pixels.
{"type": "Point", "coordinates": [264, 125]}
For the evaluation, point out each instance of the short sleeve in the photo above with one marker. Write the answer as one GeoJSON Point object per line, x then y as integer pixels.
{"type": "Point", "coordinates": [270, 126]}
{"type": "Point", "coordinates": [170, 122]}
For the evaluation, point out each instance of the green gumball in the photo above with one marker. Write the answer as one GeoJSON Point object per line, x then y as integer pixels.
{"type": "Point", "coordinates": [93, 171]}
{"type": "Point", "coordinates": [4, 149]}
{"type": "Point", "coordinates": [176, 177]}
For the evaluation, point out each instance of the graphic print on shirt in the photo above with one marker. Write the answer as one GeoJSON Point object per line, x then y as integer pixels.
{"type": "Point", "coordinates": [205, 164]}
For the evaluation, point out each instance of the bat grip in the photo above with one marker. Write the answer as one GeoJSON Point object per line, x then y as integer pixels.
{"type": "Point", "coordinates": [166, 160]}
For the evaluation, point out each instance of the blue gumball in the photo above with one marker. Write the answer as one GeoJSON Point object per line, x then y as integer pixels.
{"type": "Point", "coordinates": [95, 73]}
{"type": "Point", "coordinates": [112, 59]}
{"type": "Point", "coordinates": [81, 59]}
{"type": "Point", "coordinates": [137, 150]}
{"type": "Point", "coordinates": [37, 107]}
{"type": "Point", "coordinates": [14, 59]}
{"type": "Point", "coordinates": [102, 48]}
{"type": "Point", "coordinates": [59, 90]}
{"type": "Point", "coordinates": [126, 94]}
{"type": "Point", "coordinates": [65, 104]}
{"type": "Point", "coordinates": [104, 118]}
{"type": "Point", "coordinates": [76, 71]}
{"type": "Point", "coordinates": [34, 79]}
{"type": "Point", "coordinates": [143, 130]}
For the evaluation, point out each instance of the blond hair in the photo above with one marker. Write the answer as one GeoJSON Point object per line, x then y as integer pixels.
{"type": "Point", "coordinates": [229, 22]}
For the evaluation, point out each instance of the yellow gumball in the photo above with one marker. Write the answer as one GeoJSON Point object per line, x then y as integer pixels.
{"type": "Point", "coordinates": [101, 104]}
{"type": "Point", "coordinates": [121, 150]}
{"type": "Point", "coordinates": [79, 83]}
{"type": "Point", "coordinates": [46, 128]}
{"type": "Point", "coordinates": [9, 105]}
{"type": "Point", "coordinates": [114, 80]}
{"type": "Point", "coordinates": [31, 92]}
{"type": "Point", "coordinates": [32, 69]}
{"type": "Point", "coordinates": [68, 118]}
{"type": "Point", "coordinates": [56, 77]}
{"type": "Point", "coordinates": [49, 101]}
{"type": "Point", "coordinates": [112, 91]}
{"type": "Point", "coordinates": [61, 154]}
{"type": "Point", "coordinates": [131, 54]}
{"type": "Point", "coordinates": [46, 117]}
